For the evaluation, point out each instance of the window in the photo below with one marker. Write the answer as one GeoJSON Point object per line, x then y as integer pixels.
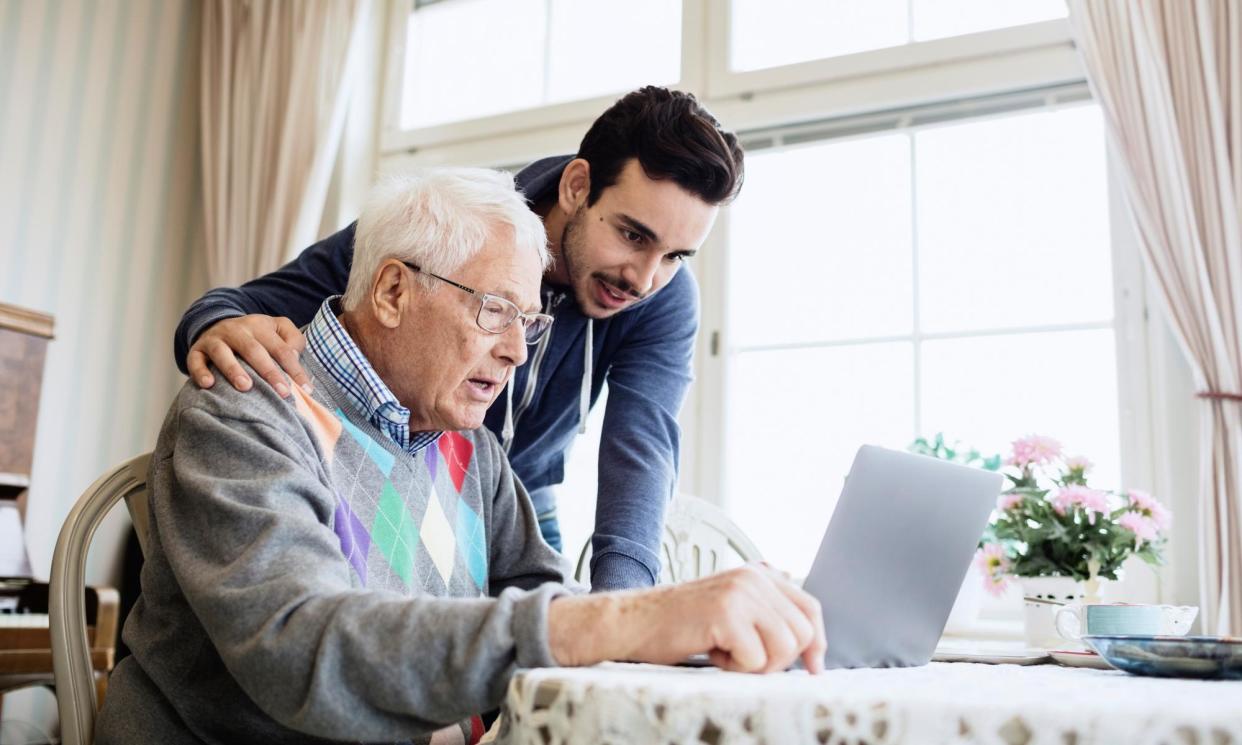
{"type": "Point", "coordinates": [472, 58]}
{"type": "Point", "coordinates": [943, 142]}
{"type": "Point", "coordinates": [770, 33]}
{"type": "Point", "coordinates": [952, 277]}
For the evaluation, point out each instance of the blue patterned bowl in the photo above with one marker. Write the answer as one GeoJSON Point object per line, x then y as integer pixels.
{"type": "Point", "coordinates": [1172, 656]}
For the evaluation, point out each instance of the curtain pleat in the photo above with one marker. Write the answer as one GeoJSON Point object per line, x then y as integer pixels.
{"type": "Point", "coordinates": [276, 84]}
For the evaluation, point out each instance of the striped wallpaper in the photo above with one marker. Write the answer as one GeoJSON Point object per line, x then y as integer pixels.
{"type": "Point", "coordinates": [101, 226]}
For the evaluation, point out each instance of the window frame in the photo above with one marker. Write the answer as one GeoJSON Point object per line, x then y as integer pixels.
{"type": "Point", "coordinates": [1026, 56]}
{"type": "Point", "coordinates": [724, 81]}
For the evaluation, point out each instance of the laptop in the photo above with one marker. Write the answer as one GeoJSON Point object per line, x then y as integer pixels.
{"type": "Point", "coordinates": [895, 554]}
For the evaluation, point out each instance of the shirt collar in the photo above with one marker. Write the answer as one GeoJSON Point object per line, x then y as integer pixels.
{"type": "Point", "coordinates": [334, 349]}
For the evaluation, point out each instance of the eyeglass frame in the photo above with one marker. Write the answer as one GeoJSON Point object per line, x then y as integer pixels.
{"type": "Point", "coordinates": [483, 297]}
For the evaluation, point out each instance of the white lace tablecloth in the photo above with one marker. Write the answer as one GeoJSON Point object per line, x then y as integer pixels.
{"type": "Point", "coordinates": [939, 703]}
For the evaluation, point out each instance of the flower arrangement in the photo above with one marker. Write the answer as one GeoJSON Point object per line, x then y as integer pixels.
{"type": "Point", "coordinates": [1050, 522]}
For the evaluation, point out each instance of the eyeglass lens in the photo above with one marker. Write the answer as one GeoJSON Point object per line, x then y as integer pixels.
{"type": "Point", "coordinates": [496, 314]}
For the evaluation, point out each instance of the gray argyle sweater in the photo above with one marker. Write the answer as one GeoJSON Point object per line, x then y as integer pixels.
{"type": "Point", "coordinates": [306, 579]}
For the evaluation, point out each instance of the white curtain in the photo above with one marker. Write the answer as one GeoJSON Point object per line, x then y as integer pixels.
{"type": "Point", "coordinates": [1168, 75]}
{"type": "Point", "coordinates": [276, 82]}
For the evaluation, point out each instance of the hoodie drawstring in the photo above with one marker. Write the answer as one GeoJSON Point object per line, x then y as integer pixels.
{"type": "Point", "coordinates": [506, 434]}
{"type": "Point", "coordinates": [584, 397]}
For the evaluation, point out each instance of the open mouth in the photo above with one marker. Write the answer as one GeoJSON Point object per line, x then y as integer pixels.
{"type": "Point", "coordinates": [482, 388]}
{"type": "Point", "coordinates": [609, 296]}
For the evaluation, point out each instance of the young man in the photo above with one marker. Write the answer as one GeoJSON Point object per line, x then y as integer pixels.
{"type": "Point", "coordinates": [640, 197]}
{"type": "Point", "coordinates": [358, 563]}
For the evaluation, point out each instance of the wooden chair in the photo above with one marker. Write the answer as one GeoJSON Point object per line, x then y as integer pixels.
{"type": "Point", "coordinates": [698, 540]}
{"type": "Point", "coordinates": [81, 681]}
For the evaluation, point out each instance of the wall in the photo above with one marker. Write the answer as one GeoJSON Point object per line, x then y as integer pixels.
{"type": "Point", "coordinates": [101, 227]}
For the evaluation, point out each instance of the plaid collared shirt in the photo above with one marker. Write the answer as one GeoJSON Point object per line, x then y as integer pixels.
{"type": "Point", "coordinates": [328, 341]}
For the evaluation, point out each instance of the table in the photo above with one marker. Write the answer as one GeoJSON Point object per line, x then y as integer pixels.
{"type": "Point", "coordinates": [938, 703]}
{"type": "Point", "coordinates": [26, 642]}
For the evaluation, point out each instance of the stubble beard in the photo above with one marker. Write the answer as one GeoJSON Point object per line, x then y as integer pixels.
{"type": "Point", "coordinates": [571, 246]}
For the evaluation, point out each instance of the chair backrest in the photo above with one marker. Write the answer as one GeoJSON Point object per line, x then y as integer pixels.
{"type": "Point", "coordinates": [698, 540]}
{"type": "Point", "coordinates": [71, 662]}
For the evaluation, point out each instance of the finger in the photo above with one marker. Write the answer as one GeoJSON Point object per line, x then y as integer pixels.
{"type": "Point", "coordinates": [745, 649]}
{"type": "Point", "coordinates": [290, 333]}
{"type": "Point", "coordinates": [255, 353]}
{"type": "Point", "coordinates": [224, 360]}
{"type": "Point", "coordinates": [810, 627]}
{"type": "Point", "coordinates": [784, 599]}
{"type": "Point", "coordinates": [196, 363]}
{"type": "Point", "coordinates": [813, 656]}
{"type": "Point", "coordinates": [774, 572]}
{"type": "Point", "coordinates": [719, 658]}
{"type": "Point", "coordinates": [287, 353]}
{"type": "Point", "coordinates": [814, 649]}
{"type": "Point", "coordinates": [780, 643]}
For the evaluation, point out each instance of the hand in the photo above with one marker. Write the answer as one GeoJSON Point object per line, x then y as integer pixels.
{"type": "Point", "coordinates": [749, 620]}
{"type": "Point", "coordinates": [270, 345]}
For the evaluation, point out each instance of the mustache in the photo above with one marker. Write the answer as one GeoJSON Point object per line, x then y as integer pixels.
{"type": "Point", "coordinates": [619, 284]}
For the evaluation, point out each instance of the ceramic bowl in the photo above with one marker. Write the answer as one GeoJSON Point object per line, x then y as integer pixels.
{"type": "Point", "coordinates": [1172, 656]}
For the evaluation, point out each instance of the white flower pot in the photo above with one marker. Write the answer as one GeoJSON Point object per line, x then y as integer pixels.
{"type": "Point", "coordinates": [1040, 630]}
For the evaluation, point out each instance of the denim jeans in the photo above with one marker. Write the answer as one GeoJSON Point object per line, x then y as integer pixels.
{"type": "Point", "coordinates": [550, 527]}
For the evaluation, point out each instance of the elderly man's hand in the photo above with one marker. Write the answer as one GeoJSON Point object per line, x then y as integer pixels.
{"type": "Point", "coordinates": [270, 345]}
{"type": "Point", "coordinates": [749, 619]}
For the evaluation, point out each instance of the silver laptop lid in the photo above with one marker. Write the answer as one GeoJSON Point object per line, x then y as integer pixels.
{"type": "Point", "coordinates": [895, 554]}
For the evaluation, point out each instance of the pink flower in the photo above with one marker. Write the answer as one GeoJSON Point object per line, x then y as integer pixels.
{"type": "Point", "coordinates": [1009, 501]}
{"type": "Point", "coordinates": [1143, 527]}
{"type": "Point", "coordinates": [1033, 450]}
{"type": "Point", "coordinates": [1091, 501]}
{"type": "Point", "coordinates": [1147, 505]}
{"type": "Point", "coordinates": [993, 565]}
{"type": "Point", "coordinates": [1078, 463]}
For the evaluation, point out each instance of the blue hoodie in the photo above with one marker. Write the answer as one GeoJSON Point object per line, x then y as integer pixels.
{"type": "Point", "coordinates": [644, 353]}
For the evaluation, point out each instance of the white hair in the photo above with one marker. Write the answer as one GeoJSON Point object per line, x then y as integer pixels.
{"type": "Point", "coordinates": [438, 218]}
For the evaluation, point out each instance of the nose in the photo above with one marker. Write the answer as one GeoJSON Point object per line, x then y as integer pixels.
{"type": "Point", "coordinates": [644, 271]}
{"type": "Point", "coordinates": [511, 344]}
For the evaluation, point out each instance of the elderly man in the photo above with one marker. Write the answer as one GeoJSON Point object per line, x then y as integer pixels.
{"type": "Point", "coordinates": [359, 562]}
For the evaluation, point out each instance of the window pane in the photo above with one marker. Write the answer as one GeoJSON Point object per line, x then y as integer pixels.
{"type": "Point", "coordinates": [1013, 222]}
{"type": "Point", "coordinates": [471, 58]}
{"type": "Point", "coordinates": [795, 419]}
{"type": "Point", "coordinates": [575, 497]}
{"type": "Point", "coordinates": [936, 19]}
{"type": "Point", "coordinates": [988, 391]}
{"type": "Point", "coordinates": [768, 33]}
{"type": "Point", "coordinates": [819, 244]}
{"type": "Point", "coordinates": [604, 46]}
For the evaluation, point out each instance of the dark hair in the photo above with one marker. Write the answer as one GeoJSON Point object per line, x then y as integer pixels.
{"type": "Point", "coordinates": [672, 136]}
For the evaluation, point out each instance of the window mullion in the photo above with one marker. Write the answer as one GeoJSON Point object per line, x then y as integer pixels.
{"type": "Point", "coordinates": [916, 323]}
{"type": "Point", "coordinates": [545, 94]}
{"type": "Point", "coordinates": [696, 47]}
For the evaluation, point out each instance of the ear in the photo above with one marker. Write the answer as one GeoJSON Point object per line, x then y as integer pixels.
{"type": "Point", "coordinates": [575, 186]}
{"type": "Point", "coordinates": [391, 293]}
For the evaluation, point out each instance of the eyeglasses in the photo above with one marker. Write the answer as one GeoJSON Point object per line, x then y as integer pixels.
{"type": "Point", "coordinates": [496, 314]}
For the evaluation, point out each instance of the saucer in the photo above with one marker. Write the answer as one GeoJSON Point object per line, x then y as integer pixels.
{"type": "Point", "coordinates": [1172, 656]}
{"type": "Point", "coordinates": [1073, 658]}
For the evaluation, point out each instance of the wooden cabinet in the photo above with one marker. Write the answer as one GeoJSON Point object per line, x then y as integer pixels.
{"type": "Point", "coordinates": [24, 335]}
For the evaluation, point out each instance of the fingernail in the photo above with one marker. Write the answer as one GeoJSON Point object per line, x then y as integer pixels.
{"type": "Point", "coordinates": [307, 387]}
{"type": "Point", "coordinates": [245, 382]}
{"type": "Point", "coordinates": [204, 382]}
{"type": "Point", "coordinates": [282, 390]}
